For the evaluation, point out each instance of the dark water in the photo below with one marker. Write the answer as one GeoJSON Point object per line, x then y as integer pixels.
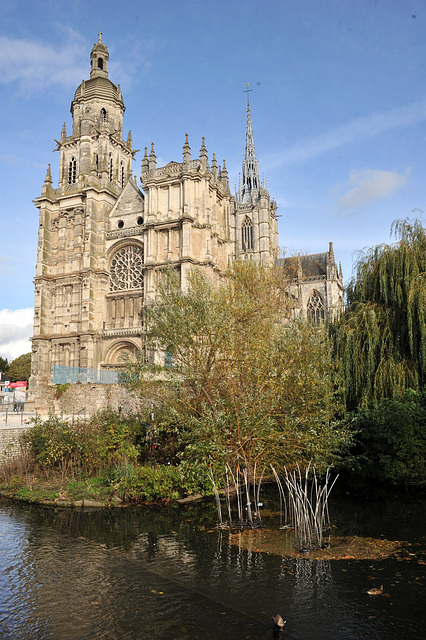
{"type": "Point", "coordinates": [162, 573]}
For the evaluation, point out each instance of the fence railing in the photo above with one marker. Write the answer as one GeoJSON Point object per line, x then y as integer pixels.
{"type": "Point", "coordinates": [17, 412]}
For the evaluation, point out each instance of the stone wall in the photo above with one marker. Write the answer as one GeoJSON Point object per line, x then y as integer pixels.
{"type": "Point", "coordinates": [10, 442]}
{"type": "Point", "coordinates": [86, 399]}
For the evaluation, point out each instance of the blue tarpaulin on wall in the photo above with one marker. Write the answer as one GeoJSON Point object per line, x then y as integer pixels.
{"type": "Point", "coordinates": [72, 375]}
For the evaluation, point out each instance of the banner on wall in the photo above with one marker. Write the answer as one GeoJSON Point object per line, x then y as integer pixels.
{"type": "Point", "coordinates": [16, 392]}
{"type": "Point", "coordinates": [10, 387]}
{"type": "Point", "coordinates": [18, 385]}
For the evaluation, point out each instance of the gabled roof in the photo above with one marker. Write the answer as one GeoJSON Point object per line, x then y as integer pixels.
{"type": "Point", "coordinates": [312, 265]}
{"type": "Point", "coordinates": [130, 193]}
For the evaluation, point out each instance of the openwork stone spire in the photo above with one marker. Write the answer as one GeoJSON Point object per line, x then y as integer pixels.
{"type": "Point", "coordinates": [251, 181]}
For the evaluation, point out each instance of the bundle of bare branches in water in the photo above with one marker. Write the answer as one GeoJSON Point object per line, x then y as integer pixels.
{"type": "Point", "coordinates": [304, 505]}
{"type": "Point", "coordinates": [242, 498]}
{"type": "Point", "coordinates": [303, 502]}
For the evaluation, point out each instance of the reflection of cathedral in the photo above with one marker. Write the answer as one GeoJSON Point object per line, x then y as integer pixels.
{"type": "Point", "coordinates": [103, 240]}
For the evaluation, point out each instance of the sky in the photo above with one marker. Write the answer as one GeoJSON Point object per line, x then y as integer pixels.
{"type": "Point", "coordinates": [338, 106]}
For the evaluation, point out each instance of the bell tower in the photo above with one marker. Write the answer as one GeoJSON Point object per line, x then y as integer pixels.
{"type": "Point", "coordinates": [72, 277]}
{"type": "Point", "coordinates": [95, 153]}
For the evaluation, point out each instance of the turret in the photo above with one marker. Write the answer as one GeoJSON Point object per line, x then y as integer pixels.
{"type": "Point", "coordinates": [144, 168]}
{"type": "Point", "coordinates": [214, 167]}
{"type": "Point", "coordinates": [186, 152]}
{"type": "Point", "coordinates": [224, 175]}
{"type": "Point", "coordinates": [152, 165]}
{"type": "Point", "coordinates": [47, 182]}
{"type": "Point", "coordinates": [99, 59]}
{"type": "Point", "coordinates": [203, 155]}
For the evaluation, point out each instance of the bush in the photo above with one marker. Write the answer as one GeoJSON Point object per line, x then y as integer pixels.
{"type": "Point", "coordinates": [391, 440]}
{"type": "Point", "coordinates": [83, 448]}
{"type": "Point", "coordinates": [134, 484]}
{"type": "Point", "coordinates": [110, 446]}
{"type": "Point", "coordinates": [194, 478]}
{"type": "Point", "coordinates": [167, 434]}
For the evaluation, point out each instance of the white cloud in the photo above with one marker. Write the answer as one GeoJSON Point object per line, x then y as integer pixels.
{"type": "Point", "coordinates": [16, 327]}
{"type": "Point", "coordinates": [361, 128]}
{"type": "Point", "coordinates": [368, 185]}
{"type": "Point", "coordinates": [32, 66]}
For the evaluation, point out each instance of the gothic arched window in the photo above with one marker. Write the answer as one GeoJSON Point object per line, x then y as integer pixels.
{"type": "Point", "coordinates": [247, 234]}
{"type": "Point", "coordinates": [127, 269]}
{"type": "Point", "coordinates": [315, 308]}
{"type": "Point", "coordinates": [72, 171]}
{"type": "Point", "coordinates": [103, 115]}
{"type": "Point", "coordinates": [110, 167]}
{"type": "Point", "coordinates": [100, 63]}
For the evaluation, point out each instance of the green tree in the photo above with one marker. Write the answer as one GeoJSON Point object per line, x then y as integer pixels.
{"type": "Point", "coordinates": [4, 365]}
{"type": "Point", "coordinates": [20, 368]}
{"type": "Point", "coordinates": [381, 340]}
{"type": "Point", "coordinates": [247, 384]}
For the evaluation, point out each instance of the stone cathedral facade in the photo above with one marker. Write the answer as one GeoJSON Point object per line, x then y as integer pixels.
{"type": "Point", "coordinates": [103, 238]}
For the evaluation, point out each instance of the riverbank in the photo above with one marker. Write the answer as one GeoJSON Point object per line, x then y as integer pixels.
{"type": "Point", "coordinates": [93, 492]}
{"type": "Point", "coordinates": [96, 493]}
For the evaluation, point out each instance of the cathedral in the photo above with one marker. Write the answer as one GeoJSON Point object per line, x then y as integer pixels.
{"type": "Point", "coordinates": [103, 237]}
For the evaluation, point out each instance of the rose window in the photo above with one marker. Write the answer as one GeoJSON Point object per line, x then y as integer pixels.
{"type": "Point", "coordinates": [126, 269]}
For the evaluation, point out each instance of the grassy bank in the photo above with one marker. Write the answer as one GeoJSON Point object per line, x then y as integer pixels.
{"type": "Point", "coordinates": [90, 492]}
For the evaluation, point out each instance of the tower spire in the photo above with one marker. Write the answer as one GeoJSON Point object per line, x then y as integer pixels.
{"type": "Point", "coordinates": [251, 181]}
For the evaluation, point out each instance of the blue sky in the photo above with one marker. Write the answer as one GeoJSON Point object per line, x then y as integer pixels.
{"type": "Point", "coordinates": [338, 108]}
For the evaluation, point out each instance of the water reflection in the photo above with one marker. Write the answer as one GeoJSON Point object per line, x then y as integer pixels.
{"type": "Point", "coordinates": [168, 573]}
{"type": "Point", "coordinates": [312, 579]}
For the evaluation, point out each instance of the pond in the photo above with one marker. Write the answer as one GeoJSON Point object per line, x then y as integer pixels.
{"type": "Point", "coordinates": [167, 572]}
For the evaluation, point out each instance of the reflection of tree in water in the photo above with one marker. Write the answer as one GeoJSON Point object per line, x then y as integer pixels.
{"type": "Point", "coordinates": [124, 528]}
{"type": "Point", "coordinates": [312, 576]}
{"type": "Point", "coordinates": [152, 546]}
{"type": "Point", "coordinates": [235, 560]}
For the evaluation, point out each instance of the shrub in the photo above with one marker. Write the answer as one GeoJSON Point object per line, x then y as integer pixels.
{"type": "Point", "coordinates": [163, 482]}
{"type": "Point", "coordinates": [82, 448]}
{"type": "Point", "coordinates": [391, 440]}
{"type": "Point", "coordinates": [133, 484]}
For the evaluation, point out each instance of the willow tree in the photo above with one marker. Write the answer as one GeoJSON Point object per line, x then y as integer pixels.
{"type": "Point", "coordinates": [250, 385]}
{"type": "Point", "coordinates": [381, 340]}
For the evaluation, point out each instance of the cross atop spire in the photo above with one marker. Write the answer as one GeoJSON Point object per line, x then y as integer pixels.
{"type": "Point", "coordinates": [247, 91]}
{"type": "Point", "coordinates": [100, 37]}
